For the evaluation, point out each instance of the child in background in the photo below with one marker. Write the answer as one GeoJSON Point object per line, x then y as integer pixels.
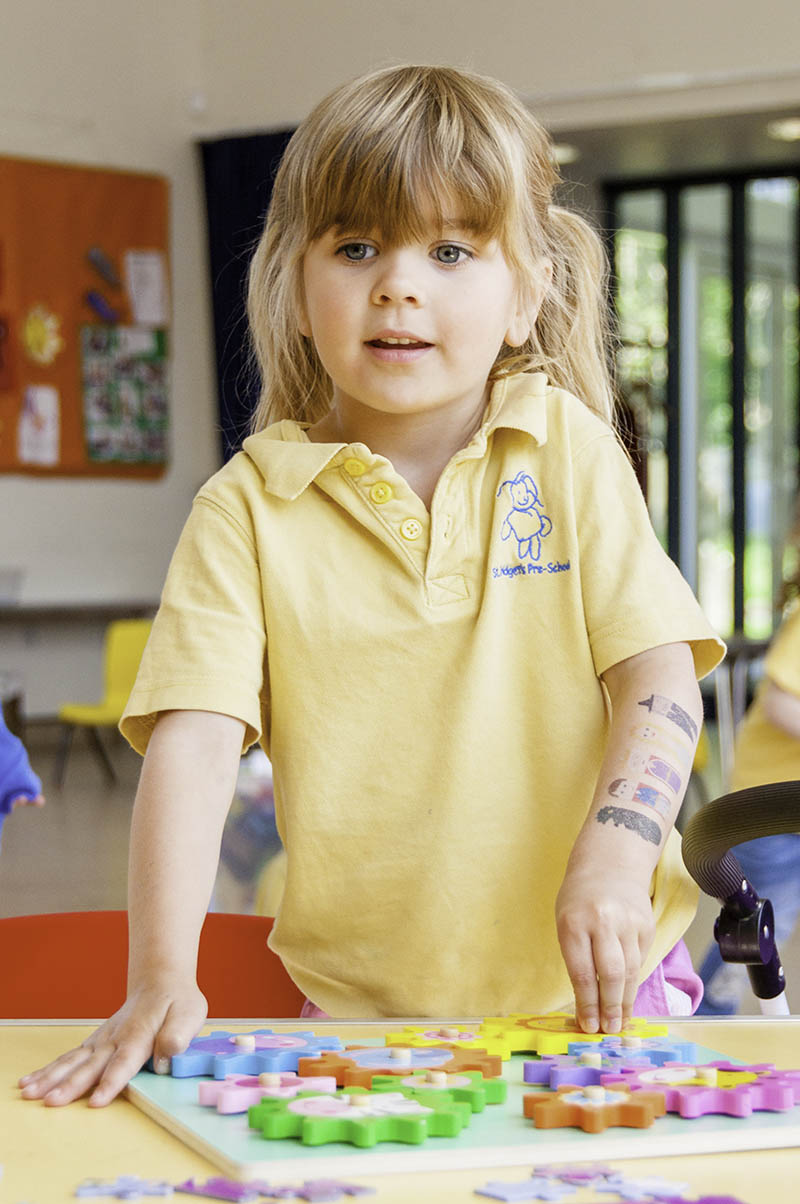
{"type": "Point", "coordinates": [18, 783]}
{"type": "Point", "coordinates": [767, 749]}
{"type": "Point", "coordinates": [429, 585]}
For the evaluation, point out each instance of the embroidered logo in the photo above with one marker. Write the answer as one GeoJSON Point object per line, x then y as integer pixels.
{"type": "Point", "coordinates": [525, 521]}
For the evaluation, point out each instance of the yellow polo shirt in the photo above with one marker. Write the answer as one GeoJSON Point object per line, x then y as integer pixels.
{"type": "Point", "coordinates": [426, 686]}
{"type": "Point", "coordinates": [764, 752]}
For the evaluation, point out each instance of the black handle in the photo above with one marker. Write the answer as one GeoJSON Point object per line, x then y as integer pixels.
{"type": "Point", "coordinates": [744, 930]}
{"type": "Point", "coordinates": [730, 820]}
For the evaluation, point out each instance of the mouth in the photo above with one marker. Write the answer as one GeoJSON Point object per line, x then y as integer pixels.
{"type": "Point", "coordinates": [406, 342]}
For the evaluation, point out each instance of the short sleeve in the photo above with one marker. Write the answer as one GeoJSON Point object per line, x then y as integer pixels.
{"type": "Point", "coordinates": [206, 651]}
{"type": "Point", "coordinates": [634, 596]}
{"type": "Point", "coordinates": [782, 662]}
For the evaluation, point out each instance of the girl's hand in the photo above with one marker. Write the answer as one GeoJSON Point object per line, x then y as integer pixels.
{"type": "Point", "coordinates": [605, 930]}
{"type": "Point", "coordinates": [157, 1020]}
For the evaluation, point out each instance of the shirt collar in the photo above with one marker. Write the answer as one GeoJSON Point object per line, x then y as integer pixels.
{"type": "Point", "coordinates": [519, 402]}
{"type": "Point", "coordinates": [289, 461]}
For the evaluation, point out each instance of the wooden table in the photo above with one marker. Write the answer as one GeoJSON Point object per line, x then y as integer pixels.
{"type": "Point", "coordinates": [47, 1152]}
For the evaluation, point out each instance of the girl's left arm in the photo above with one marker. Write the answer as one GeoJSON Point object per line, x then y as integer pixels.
{"type": "Point", "coordinates": [603, 910]}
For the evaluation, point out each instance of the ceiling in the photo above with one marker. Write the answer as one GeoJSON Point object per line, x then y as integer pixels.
{"type": "Point", "coordinates": [725, 143]}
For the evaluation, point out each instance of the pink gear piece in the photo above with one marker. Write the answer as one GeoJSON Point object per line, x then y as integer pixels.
{"type": "Point", "coordinates": [237, 1093]}
{"type": "Point", "coordinates": [691, 1099]}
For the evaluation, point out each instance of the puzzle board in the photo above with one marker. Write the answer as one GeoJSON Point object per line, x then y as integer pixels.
{"type": "Point", "coordinates": [498, 1136]}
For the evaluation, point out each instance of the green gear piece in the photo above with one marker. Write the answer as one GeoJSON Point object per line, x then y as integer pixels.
{"type": "Point", "coordinates": [480, 1092]}
{"type": "Point", "coordinates": [441, 1117]}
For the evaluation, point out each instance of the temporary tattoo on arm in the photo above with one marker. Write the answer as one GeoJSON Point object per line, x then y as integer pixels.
{"type": "Point", "coordinates": [641, 793]}
{"type": "Point", "coordinates": [658, 705]}
{"type": "Point", "coordinates": [657, 767]}
{"type": "Point", "coordinates": [648, 829]}
{"type": "Point", "coordinates": [666, 739]}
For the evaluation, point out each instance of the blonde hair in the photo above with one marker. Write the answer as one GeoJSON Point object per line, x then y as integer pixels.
{"type": "Point", "coordinates": [382, 153]}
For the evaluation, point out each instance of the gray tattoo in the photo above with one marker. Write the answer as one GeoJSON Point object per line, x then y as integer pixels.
{"type": "Point", "coordinates": [648, 829]}
{"type": "Point", "coordinates": [658, 705]}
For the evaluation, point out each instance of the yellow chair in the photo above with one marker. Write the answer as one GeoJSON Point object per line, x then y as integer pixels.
{"type": "Point", "coordinates": [124, 644]}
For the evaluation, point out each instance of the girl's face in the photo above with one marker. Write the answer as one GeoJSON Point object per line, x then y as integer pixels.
{"type": "Point", "coordinates": [404, 329]}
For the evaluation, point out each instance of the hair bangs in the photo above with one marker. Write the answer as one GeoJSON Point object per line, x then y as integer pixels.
{"type": "Point", "coordinates": [403, 178]}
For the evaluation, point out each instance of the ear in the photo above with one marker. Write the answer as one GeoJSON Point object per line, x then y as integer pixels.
{"type": "Point", "coordinates": [301, 314]}
{"type": "Point", "coordinates": [524, 319]}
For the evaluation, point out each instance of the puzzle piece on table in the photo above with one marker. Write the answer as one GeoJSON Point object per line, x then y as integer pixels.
{"type": "Point", "coordinates": [124, 1187]}
{"type": "Point", "coordinates": [257, 1052]}
{"type": "Point", "coordinates": [649, 1187]}
{"type": "Point", "coordinates": [582, 1175]}
{"type": "Point", "coordinates": [552, 1033]}
{"type": "Point", "coordinates": [715, 1088]}
{"type": "Point", "coordinates": [527, 1189]}
{"type": "Point", "coordinates": [578, 1070]}
{"type": "Point", "coordinates": [358, 1064]}
{"type": "Point", "coordinates": [593, 1109]}
{"type": "Point", "coordinates": [237, 1093]}
{"type": "Point", "coordinates": [416, 1036]}
{"type": "Point", "coordinates": [222, 1189]}
{"type": "Point", "coordinates": [331, 1189]}
{"type": "Point", "coordinates": [361, 1117]}
{"type": "Point", "coordinates": [657, 1051]}
{"type": "Point", "coordinates": [470, 1086]}
{"type": "Point", "coordinates": [317, 1190]}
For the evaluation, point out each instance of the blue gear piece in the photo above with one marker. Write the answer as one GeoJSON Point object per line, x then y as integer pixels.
{"type": "Point", "coordinates": [657, 1049]}
{"type": "Point", "coordinates": [218, 1054]}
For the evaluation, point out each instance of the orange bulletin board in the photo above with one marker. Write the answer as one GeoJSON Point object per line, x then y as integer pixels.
{"type": "Point", "coordinates": [84, 315]}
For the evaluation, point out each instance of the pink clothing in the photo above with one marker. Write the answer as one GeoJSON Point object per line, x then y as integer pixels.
{"type": "Point", "coordinates": [673, 989]}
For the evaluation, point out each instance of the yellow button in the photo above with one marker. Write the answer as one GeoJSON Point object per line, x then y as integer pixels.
{"type": "Point", "coordinates": [381, 492]}
{"type": "Point", "coordinates": [354, 467]}
{"type": "Point", "coordinates": [411, 528]}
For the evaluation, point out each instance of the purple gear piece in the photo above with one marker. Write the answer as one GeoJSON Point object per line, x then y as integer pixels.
{"type": "Point", "coordinates": [219, 1056]}
{"type": "Point", "coordinates": [691, 1100]}
{"type": "Point", "coordinates": [656, 1049]}
{"type": "Point", "coordinates": [557, 1069]}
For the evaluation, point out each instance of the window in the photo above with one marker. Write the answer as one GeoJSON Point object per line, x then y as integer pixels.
{"type": "Point", "coordinates": [706, 290]}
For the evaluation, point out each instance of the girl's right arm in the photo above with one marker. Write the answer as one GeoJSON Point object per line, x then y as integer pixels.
{"type": "Point", "coordinates": [184, 794]}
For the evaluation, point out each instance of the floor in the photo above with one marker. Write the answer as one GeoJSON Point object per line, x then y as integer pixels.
{"type": "Point", "coordinates": [71, 855]}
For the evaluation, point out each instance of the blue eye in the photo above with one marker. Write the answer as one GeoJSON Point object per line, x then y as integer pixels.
{"type": "Point", "coordinates": [451, 254]}
{"type": "Point", "coordinates": [356, 251]}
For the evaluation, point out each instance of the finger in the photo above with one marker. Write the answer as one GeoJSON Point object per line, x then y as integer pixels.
{"type": "Point", "coordinates": [633, 966]}
{"type": "Point", "coordinates": [577, 953]}
{"type": "Point", "coordinates": [609, 960]}
{"type": "Point", "coordinates": [175, 1034]}
{"type": "Point", "coordinates": [39, 1082]}
{"type": "Point", "coordinates": [126, 1061]}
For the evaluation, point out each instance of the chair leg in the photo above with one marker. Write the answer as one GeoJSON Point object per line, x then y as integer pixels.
{"type": "Point", "coordinates": [65, 744]}
{"type": "Point", "coordinates": [99, 748]}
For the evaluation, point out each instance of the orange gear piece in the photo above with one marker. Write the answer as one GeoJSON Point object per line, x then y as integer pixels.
{"type": "Point", "coordinates": [348, 1072]}
{"type": "Point", "coordinates": [593, 1109]}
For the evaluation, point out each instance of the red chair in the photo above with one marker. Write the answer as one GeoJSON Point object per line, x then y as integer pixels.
{"type": "Point", "coordinates": [73, 965]}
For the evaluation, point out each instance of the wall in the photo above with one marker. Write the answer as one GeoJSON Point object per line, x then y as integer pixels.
{"type": "Point", "coordinates": [109, 83]}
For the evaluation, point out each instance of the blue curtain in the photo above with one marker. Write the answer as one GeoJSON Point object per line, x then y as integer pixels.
{"type": "Point", "coordinates": [238, 174]}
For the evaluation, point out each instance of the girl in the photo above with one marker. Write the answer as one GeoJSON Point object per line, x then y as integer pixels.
{"type": "Point", "coordinates": [447, 684]}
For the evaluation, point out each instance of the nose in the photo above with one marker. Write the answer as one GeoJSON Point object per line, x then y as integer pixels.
{"type": "Point", "coordinates": [399, 278]}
